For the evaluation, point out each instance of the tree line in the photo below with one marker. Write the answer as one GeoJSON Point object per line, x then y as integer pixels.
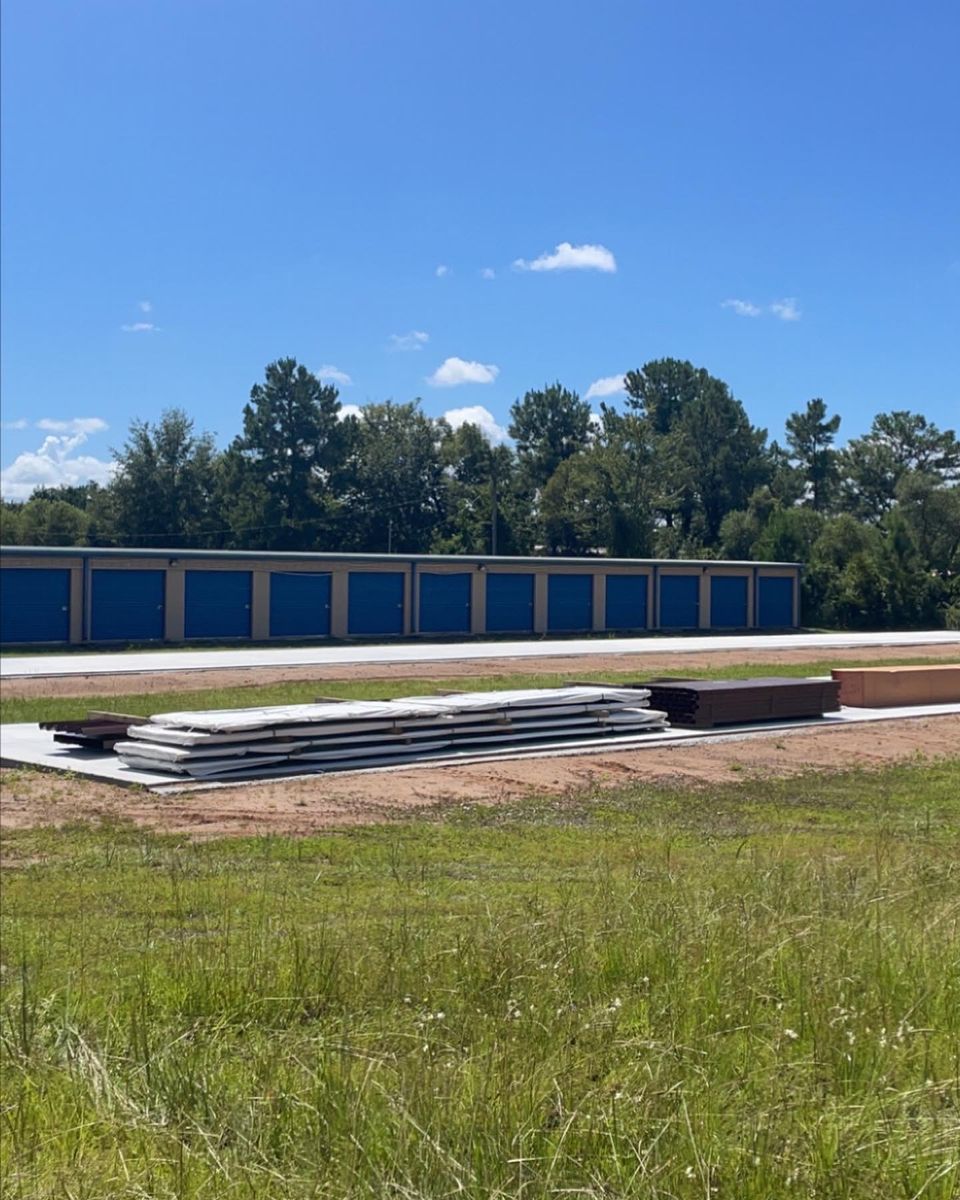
{"type": "Point", "coordinates": [677, 470]}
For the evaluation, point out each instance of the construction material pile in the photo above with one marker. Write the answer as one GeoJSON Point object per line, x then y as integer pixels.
{"type": "Point", "coordinates": [95, 731]}
{"type": "Point", "coordinates": [337, 736]}
{"type": "Point", "coordinates": [705, 703]}
{"type": "Point", "coordinates": [896, 687]}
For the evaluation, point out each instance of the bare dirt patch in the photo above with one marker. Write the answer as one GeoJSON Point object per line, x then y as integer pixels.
{"type": "Point", "coordinates": [34, 798]}
{"type": "Point", "coordinates": [565, 665]}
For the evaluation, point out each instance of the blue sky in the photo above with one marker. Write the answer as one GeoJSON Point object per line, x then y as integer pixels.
{"type": "Point", "coordinates": [193, 188]}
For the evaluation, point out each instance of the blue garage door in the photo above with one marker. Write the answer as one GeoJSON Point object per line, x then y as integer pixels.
{"type": "Point", "coordinates": [34, 605]}
{"type": "Point", "coordinates": [775, 601]}
{"type": "Point", "coordinates": [127, 605]}
{"type": "Point", "coordinates": [509, 603]}
{"type": "Point", "coordinates": [445, 603]}
{"type": "Point", "coordinates": [728, 602]}
{"type": "Point", "coordinates": [375, 603]}
{"type": "Point", "coordinates": [679, 601]}
{"type": "Point", "coordinates": [569, 602]}
{"type": "Point", "coordinates": [626, 601]}
{"type": "Point", "coordinates": [299, 604]}
{"type": "Point", "coordinates": [217, 604]}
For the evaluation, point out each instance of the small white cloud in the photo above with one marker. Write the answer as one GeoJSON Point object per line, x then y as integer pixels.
{"type": "Point", "coordinates": [488, 273]}
{"type": "Point", "coordinates": [331, 374]}
{"type": "Point", "coordinates": [442, 270]}
{"type": "Point", "coordinates": [477, 415]}
{"type": "Point", "coordinates": [454, 371]}
{"type": "Point", "coordinates": [349, 410]}
{"type": "Point", "coordinates": [140, 327]}
{"type": "Point", "coordinates": [743, 308]}
{"type": "Point", "coordinates": [786, 309]}
{"type": "Point", "coordinates": [74, 426]}
{"type": "Point", "coordinates": [610, 385]}
{"type": "Point", "coordinates": [55, 463]}
{"type": "Point", "coordinates": [21, 423]}
{"type": "Point", "coordinates": [145, 306]}
{"type": "Point", "coordinates": [416, 339]}
{"type": "Point", "coordinates": [567, 257]}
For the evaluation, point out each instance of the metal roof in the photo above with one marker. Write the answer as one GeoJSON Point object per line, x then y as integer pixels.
{"type": "Point", "coordinates": [317, 556]}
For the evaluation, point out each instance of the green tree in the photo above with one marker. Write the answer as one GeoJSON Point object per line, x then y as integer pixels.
{"type": "Point", "coordinates": [576, 506]}
{"type": "Point", "coordinates": [839, 583]}
{"type": "Point", "coordinates": [789, 535]}
{"type": "Point", "coordinates": [80, 495]}
{"type": "Point", "coordinates": [43, 522]}
{"type": "Point", "coordinates": [810, 437]}
{"type": "Point", "coordinates": [163, 489]}
{"type": "Point", "coordinates": [390, 485]}
{"type": "Point", "coordinates": [932, 512]}
{"type": "Point", "coordinates": [11, 523]}
{"type": "Point", "coordinates": [275, 485]}
{"type": "Point", "coordinates": [708, 457]}
{"type": "Point", "coordinates": [550, 424]}
{"type": "Point", "coordinates": [486, 508]}
{"type": "Point", "coordinates": [898, 443]}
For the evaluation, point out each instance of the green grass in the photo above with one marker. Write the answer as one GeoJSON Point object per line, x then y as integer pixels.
{"type": "Point", "coordinates": [64, 708]}
{"type": "Point", "coordinates": [749, 991]}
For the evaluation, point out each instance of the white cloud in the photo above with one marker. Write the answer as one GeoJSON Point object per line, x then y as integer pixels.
{"type": "Point", "coordinates": [21, 423]}
{"type": "Point", "coordinates": [140, 327]}
{"type": "Point", "coordinates": [488, 273]}
{"type": "Point", "coordinates": [476, 414]}
{"type": "Point", "coordinates": [416, 339]}
{"type": "Point", "coordinates": [454, 371]}
{"type": "Point", "coordinates": [743, 308]}
{"type": "Point", "coordinates": [55, 462]}
{"type": "Point", "coordinates": [786, 309]}
{"type": "Point", "coordinates": [610, 385]}
{"type": "Point", "coordinates": [76, 426]}
{"type": "Point", "coordinates": [145, 306]}
{"type": "Point", "coordinates": [349, 410]}
{"type": "Point", "coordinates": [331, 374]}
{"type": "Point", "coordinates": [571, 258]}
{"type": "Point", "coordinates": [442, 270]}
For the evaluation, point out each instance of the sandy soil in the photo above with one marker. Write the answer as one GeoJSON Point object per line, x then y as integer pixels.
{"type": "Point", "coordinates": [564, 665]}
{"type": "Point", "coordinates": [31, 798]}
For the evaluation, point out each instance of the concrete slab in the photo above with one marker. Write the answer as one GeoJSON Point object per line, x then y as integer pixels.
{"type": "Point", "coordinates": [60, 665]}
{"type": "Point", "coordinates": [29, 745]}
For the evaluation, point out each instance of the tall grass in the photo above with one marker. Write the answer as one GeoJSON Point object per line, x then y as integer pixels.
{"type": "Point", "coordinates": [750, 991]}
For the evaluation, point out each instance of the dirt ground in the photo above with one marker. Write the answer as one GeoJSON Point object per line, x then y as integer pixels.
{"type": "Point", "coordinates": [564, 665]}
{"type": "Point", "coordinates": [32, 798]}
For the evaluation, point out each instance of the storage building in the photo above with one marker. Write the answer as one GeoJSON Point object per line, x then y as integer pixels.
{"type": "Point", "coordinates": [74, 595]}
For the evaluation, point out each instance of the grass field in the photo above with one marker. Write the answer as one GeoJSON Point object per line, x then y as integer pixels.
{"type": "Point", "coordinates": [64, 708]}
{"type": "Point", "coordinates": [750, 991]}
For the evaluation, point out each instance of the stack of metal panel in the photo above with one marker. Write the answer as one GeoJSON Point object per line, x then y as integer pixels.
{"type": "Point", "coordinates": [235, 743]}
{"type": "Point", "coordinates": [705, 703]}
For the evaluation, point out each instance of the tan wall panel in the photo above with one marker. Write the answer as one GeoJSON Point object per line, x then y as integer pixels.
{"type": "Point", "coordinates": [77, 606]}
{"type": "Point", "coordinates": [174, 604]}
{"type": "Point", "coordinates": [339, 600]}
{"type": "Point", "coordinates": [41, 564]}
{"type": "Point", "coordinates": [260, 606]}
{"type": "Point", "coordinates": [599, 601]}
{"type": "Point", "coordinates": [540, 601]}
{"type": "Point", "coordinates": [478, 603]}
